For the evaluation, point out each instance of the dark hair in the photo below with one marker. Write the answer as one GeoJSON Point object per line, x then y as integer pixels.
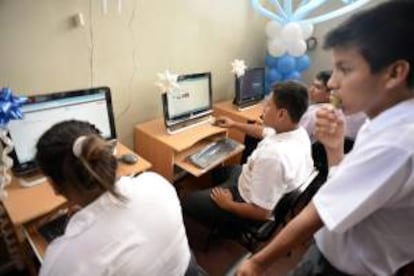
{"type": "Point", "coordinates": [324, 76]}
{"type": "Point", "coordinates": [93, 171]}
{"type": "Point", "coordinates": [293, 97]}
{"type": "Point", "coordinates": [382, 35]}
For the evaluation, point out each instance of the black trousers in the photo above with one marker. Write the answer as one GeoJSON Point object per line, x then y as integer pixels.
{"type": "Point", "coordinates": [202, 208]}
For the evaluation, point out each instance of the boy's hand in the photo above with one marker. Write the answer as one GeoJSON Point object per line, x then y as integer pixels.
{"type": "Point", "coordinates": [222, 197]}
{"type": "Point", "coordinates": [330, 127]}
{"type": "Point", "coordinates": [224, 122]}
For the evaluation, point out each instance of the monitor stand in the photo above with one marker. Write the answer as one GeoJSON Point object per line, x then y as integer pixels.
{"type": "Point", "coordinates": [31, 179]}
{"type": "Point", "coordinates": [189, 124]}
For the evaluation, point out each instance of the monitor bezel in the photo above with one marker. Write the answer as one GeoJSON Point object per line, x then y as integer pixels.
{"type": "Point", "coordinates": [190, 115]}
{"type": "Point", "coordinates": [23, 168]}
{"type": "Point", "coordinates": [238, 89]}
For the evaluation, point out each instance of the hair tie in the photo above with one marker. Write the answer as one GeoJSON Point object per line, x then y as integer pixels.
{"type": "Point", "coordinates": [77, 146]}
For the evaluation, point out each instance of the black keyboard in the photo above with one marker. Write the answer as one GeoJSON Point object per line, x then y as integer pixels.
{"type": "Point", "coordinates": [213, 152]}
{"type": "Point", "coordinates": [54, 228]}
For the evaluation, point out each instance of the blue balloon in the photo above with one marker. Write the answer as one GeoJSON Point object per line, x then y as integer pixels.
{"type": "Point", "coordinates": [286, 64]}
{"type": "Point", "coordinates": [271, 61]}
{"type": "Point", "coordinates": [294, 75]}
{"type": "Point", "coordinates": [273, 75]}
{"type": "Point", "coordinates": [302, 63]}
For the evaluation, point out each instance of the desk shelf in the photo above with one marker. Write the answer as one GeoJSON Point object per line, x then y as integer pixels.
{"type": "Point", "coordinates": [166, 151]}
{"type": "Point", "coordinates": [182, 162]}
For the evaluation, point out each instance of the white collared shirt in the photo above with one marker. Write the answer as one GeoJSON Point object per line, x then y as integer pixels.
{"type": "Point", "coordinates": [143, 236]}
{"type": "Point", "coordinates": [368, 205]}
{"type": "Point", "coordinates": [353, 122]}
{"type": "Point", "coordinates": [279, 164]}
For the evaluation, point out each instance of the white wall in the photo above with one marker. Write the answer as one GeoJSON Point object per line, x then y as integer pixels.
{"type": "Point", "coordinates": [42, 51]}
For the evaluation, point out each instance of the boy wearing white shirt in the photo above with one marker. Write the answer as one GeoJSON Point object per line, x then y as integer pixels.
{"type": "Point", "coordinates": [319, 94]}
{"type": "Point", "coordinates": [363, 217]}
{"type": "Point", "coordinates": [280, 163]}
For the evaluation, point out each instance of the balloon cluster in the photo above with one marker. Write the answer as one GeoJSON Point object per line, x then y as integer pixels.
{"type": "Point", "coordinates": [286, 58]}
{"type": "Point", "coordinates": [287, 31]}
{"type": "Point", "coordinates": [10, 106]}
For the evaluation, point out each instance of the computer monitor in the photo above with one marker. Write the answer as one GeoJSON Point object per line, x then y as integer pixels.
{"type": "Point", "coordinates": [189, 103]}
{"type": "Point", "coordinates": [43, 111]}
{"type": "Point", "coordinates": [250, 88]}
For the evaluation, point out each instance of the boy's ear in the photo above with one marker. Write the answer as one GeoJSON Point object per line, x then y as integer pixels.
{"type": "Point", "coordinates": [397, 74]}
{"type": "Point", "coordinates": [283, 113]}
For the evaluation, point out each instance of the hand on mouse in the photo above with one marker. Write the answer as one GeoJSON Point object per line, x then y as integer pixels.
{"type": "Point", "coordinates": [224, 122]}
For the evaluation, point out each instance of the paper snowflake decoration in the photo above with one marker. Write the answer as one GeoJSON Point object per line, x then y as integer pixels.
{"type": "Point", "coordinates": [238, 67]}
{"type": "Point", "coordinates": [167, 82]}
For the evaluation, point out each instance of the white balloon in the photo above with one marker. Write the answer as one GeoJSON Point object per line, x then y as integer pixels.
{"type": "Point", "coordinates": [296, 48]}
{"type": "Point", "coordinates": [273, 29]}
{"type": "Point", "coordinates": [292, 32]}
{"type": "Point", "coordinates": [276, 47]}
{"type": "Point", "coordinates": [307, 29]}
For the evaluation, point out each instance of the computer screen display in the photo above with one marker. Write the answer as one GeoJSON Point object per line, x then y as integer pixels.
{"type": "Point", "coordinates": [43, 111]}
{"type": "Point", "coordinates": [191, 100]}
{"type": "Point", "coordinates": [250, 86]}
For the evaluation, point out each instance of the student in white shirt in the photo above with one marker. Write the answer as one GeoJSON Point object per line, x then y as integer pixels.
{"type": "Point", "coordinates": [281, 162]}
{"type": "Point", "coordinates": [126, 226]}
{"type": "Point", "coordinates": [319, 94]}
{"type": "Point", "coordinates": [363, 217]}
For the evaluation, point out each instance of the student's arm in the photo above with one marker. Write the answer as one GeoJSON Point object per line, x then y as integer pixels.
{"type": "Point", "coordinates": [299, 230]}
{"type": "Point", "coordinates": [250, 129]}
{"type": "Point", "coordinates": [224, 200]}
{"type": "Point", "coordinates": [330, 131]}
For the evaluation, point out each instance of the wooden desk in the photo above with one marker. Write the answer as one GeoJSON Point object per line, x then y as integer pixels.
{"type": "Point", "coordinates": [167, 153]}
{"type": "Point", "coordinates": [250, 115]}
{"type": "Point", "coordinates": [24, 205]}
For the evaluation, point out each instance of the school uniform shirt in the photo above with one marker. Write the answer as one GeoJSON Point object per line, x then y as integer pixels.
{"type": "Point", "coordinates": [367, 206]}
{"type": "Point", "coordinates": [280, 163]}
{"type": "Point", "coordinates": [144, 235]}
{"type": "Point", "coordinates": [353, 122]}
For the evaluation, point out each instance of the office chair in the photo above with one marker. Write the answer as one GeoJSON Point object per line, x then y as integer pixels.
{"type": "Point", "coordinates": [320, 159]}
{"type": "Point", "coordinates": [251, 236]}
{"type": "Point", "coordinates": [250, 144]}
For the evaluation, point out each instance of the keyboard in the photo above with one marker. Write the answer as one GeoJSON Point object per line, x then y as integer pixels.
{"type": "Point", "coordinates": [54, 228]}
{"type": "Point", "coordinates": [213, 152]}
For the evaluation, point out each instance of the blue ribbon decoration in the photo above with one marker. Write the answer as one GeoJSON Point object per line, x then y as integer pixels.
{"type": "Point", "coordinates": [10, 106]}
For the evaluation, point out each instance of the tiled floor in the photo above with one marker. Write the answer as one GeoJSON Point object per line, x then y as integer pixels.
{"type": "Point", "coordinates": [220, 255]}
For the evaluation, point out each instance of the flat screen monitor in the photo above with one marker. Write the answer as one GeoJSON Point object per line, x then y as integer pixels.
{"type": "Point", "coordinates": [43, 111]}
{"type": "Point", "coordinates": [250, 88]}
{"type": "Point", "coordinates": [192, 100]}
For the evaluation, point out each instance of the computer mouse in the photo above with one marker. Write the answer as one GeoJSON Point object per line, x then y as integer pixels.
{"type": "Point", "coordinates": [128, 158]}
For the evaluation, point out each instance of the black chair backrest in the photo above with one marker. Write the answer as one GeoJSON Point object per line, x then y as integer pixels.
{"type": "Point", "coordinates": [254, 234]}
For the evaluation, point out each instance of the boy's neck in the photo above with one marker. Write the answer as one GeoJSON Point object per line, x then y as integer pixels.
{"type": "Point", "coordinates": [287, 128]}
